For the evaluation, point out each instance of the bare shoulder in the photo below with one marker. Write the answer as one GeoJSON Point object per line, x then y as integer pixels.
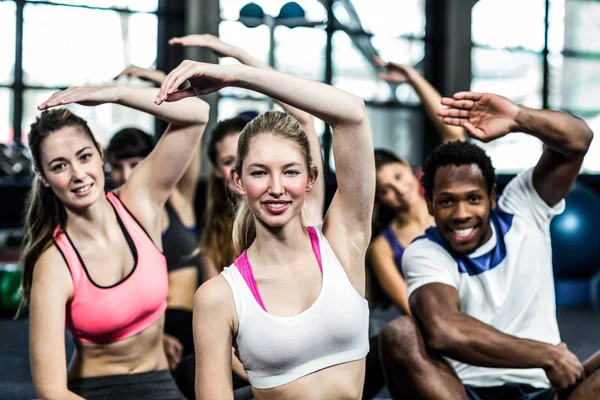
{"type": "Point", "coordinates": [214, 296]}
{"type": "Point", "coordinates": [52, 272]}
{"type": "Point", "coordinates": [380, 246]}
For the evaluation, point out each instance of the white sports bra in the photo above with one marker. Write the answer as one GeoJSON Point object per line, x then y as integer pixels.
{"type": "Point", "coordinates": [278, 350]}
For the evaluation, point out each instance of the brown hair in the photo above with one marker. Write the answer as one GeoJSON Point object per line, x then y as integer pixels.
{"type": "Point", "coordinates": [276, 123]}
{"type": "Point", "coordinates": [44, 211]}
{"type": "Point", "coordinates": [216, 243]}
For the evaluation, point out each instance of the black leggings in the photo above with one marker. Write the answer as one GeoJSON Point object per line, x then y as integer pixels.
{"type": "Point", "coordinates": [155, 385]}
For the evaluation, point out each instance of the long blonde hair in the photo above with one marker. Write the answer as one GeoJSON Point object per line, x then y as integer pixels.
{"type": "Point", "coordinates": [44, 211]}
{"type": "Point", "coordinates": [276, 123]}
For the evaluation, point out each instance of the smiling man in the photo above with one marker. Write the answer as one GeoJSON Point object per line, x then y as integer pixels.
{"type": "Point", "coordinates": [480, 282]}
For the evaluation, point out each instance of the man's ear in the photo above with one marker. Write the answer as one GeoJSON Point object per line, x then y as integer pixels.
{"type": "Point", "coordinates": [40, 176]}
{"type": "Point", "coordinates": [429, 204]}
{"type": "Point", "coordinates": [493, 197]}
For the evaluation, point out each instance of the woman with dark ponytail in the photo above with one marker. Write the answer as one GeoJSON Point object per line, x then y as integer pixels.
{"type": "Point", "coordinates": [92, 259]}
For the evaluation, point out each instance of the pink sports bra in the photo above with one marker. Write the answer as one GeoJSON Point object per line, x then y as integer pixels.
{"type": "Point", "coordinates": [98, 314]}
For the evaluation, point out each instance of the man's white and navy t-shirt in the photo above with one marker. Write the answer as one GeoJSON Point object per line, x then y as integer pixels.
{"type": "Point", "coordinates": [506, 283]}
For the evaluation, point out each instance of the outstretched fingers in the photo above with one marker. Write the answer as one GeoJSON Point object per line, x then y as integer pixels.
{"type": "Point", "coordinates": [453, 112]}
{"type": "Point", "coordinates": [58, 99]}
{"type": "Point", "coordinates": [465, 104]}
{"type": "Point", "coordinates": [467, 96]}
{"type": "Point", "coordinates": [173, 81]}
{"type": "Point", "coordinates": [181, 94]}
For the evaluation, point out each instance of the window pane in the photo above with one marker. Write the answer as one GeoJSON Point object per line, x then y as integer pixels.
{"type": "Point", "coordinates": [354, 73]}
{"type": "Point", "coordinates": [314, 10]}
{"type": "Point", "coordinates": [391, 17]}
{"type": "Point", "coordinates": [301, 51]}
{"type": "Point", "coordinates": [7, 43]}
{"type": "Point", "coordinates": [58, 57]}
{"type": "Point", "coordinates": [509, 23]}
{"type": "Point", "coordinates": [134, 5]}
{"type": "Point", "coordinates": [229, 108]}
{"type": "Point", "coordinates": [409, 52]}
{"type": "Point", "coordinates": [399, 130]}
{"type": "Point", "coordinates": [516, 75]}
{"type": "Point", "coordinates": [591, 164]}
{"type": "Point", "coordinates": [574, 25]}
{"type": "Point", "coordinates": [253, 40]}
{"type": "Point", "coordinates": [575, 87]}
{"type": "Point", "coordinates": [574, 84]}
{"type": "Point", "coordinates": [104, 120]}
{"type": "Point", "coordinates": [519, 77]}
{"type": "Point", "coordinates": [6, 110]}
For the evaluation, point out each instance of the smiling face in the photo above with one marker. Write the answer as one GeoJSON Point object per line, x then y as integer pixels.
{"type": "Point", "coordinates": [461, 206]}
{"type": "Point", "coordinates": [71, 165]}
{"type": "Point", "coordinates": [226, 151]}
{"type": "Point", "coordinates": [397, 186]}
{"type": "Point", "coordinates": [274, 179]}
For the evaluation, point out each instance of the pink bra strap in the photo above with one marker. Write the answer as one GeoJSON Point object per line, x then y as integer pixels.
{"type": "Point", "coordinates": [314, 241]}
{"type": "Point", "coordinates": [243, 265]}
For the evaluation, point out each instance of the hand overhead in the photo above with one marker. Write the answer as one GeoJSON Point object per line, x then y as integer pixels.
{"type": "Point", "coordinates": [84, 95]}
{"type": "Point", "coordinates": [485, 116]}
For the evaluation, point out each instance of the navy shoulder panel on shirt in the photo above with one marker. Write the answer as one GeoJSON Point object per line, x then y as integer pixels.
{"type": "Point", "coordinates": [502, 221]}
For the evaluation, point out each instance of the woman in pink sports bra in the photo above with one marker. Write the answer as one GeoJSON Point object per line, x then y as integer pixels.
{"type": "Point", "coordinates": [93, 259]}
{"type": "Point", "coordinates": [293, 304]}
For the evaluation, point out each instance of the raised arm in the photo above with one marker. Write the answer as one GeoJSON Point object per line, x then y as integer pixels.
{"type": "Point", "coordinates": [222, 49]}
{"type": "Point", "coordinates": [352, 206]}
{"type": "Point", "coordinates": [150, 75]}
{"type": "Point", "coordinates": [567, 138]}
{"type": "Point", "coordinates": [50, 292]}
{"type": "Point", "coordinates": [154, 178]}
{"type": "Point", "coordinates": [189, 181]}
{"type": "Point", "coordinates": [430, 97]}
{"type": "Point", "coordinates": [436, 307]}
{"type": "Point", "coordinates": [213, 338]}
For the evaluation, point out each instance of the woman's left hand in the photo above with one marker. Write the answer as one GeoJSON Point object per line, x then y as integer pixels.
{"type": "Point", "coordinates": [203, 78]}
{"type": "Point", "coordinates": [84, 95]}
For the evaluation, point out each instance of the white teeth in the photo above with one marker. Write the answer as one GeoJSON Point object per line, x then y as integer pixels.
{"type": "Point", "coordinates": [276, 205]}
{"type": "Point", "coordinates": [83, 189]}
{"type": "Point", "coordinates": [463, 232]}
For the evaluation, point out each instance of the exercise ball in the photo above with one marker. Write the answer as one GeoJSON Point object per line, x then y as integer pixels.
{"type": "Point", "coordinates": [576, 236]}
{"type": "Point", "coordinates": [252, 15]}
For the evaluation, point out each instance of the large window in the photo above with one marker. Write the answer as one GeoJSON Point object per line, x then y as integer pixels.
{"type": "Point", "coordinates": [86, 43]}
{"type": "Point", "coordinates": [539, 57]}
{"type": "Point", "coordinates": [360, 29]}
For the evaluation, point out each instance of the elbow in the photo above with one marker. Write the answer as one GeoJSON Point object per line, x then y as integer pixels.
{"type": "Point", "coordinates": [579, 143]}
{"type": "Point", "coordinates": [203, 113]}
{"type": "Point", "coordinates": [442, 338]}
{"type": "Point", "coordinates": [586, 137]}
{"type": "Point", "coordinates": [360, 111]}
{"type": "Point", "coordinates": [355, 113]}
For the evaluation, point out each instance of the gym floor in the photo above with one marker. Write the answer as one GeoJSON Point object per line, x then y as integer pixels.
{"type": "Point", "coordinates": [579, 329]}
